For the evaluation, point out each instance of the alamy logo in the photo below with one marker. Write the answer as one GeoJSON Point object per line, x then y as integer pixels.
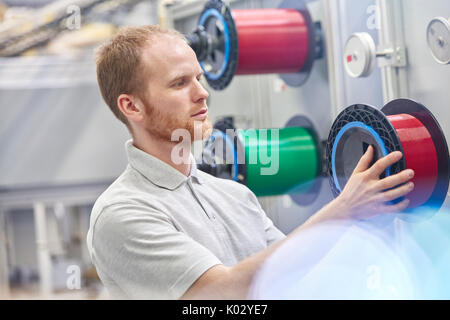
{"type": "Point", "coordinates": [266, 153]}
{"type": "Point", "coordinates": [374, 277]}
{"type": "Point", "coordinates": [73, 281]}
{"type": "Point", "coordinates": [73, 22]}
{"type": "Point", "coordinates": [373, 21]}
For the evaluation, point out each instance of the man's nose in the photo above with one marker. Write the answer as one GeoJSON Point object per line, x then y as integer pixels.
{"type": "Point", "coordinates": [200, 92]}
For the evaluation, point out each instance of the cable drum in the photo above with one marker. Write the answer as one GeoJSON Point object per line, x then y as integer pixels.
{"type": "Point", "coordinates": [425, 150]}
{"type": "Point", "coordinates": [420, 155]}
{"type": "Point", "coordinates": [402, 125]}
{"type": "Point", "coordinates": [271, 41]}
{"type": "Point", "coordinates": [295, 168]}
{"type": "Point", "coordinates": [270, 161]}
{"type": "Point", "coordinates": [283, 40]}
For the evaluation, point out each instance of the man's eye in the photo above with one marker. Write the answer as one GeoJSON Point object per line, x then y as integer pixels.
{"type": "Point", "coordinates": [180, 83]}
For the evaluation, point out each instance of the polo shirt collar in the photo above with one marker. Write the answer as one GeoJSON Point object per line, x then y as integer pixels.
{"type": "Point", "coordinates": [156, 170]}
{"type": "Point", "coordinates": [194, 170]}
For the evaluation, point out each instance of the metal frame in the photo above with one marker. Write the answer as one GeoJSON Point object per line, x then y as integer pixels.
{"type": "Point", "coordinates": [40, 198]}
{"type": "Point", "coordinates": [43, 251]}
{"type": "Point", "coordinates": [391, 36]}
{"type": "Point", "coordinates": [26, 197]}
{"type": "Point", "coordinates": [4, 285]}
{"type": "Point", "coordinates": [46, 72]}
{"type": "Point", "coordinates": [334, 47]}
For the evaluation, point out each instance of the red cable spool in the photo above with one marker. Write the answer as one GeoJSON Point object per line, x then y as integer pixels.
{"type": "Point", "coordinates": [401, 125]}
{"type": "Point", "coordinates": [425, 151]}
{"type": "Point", "coordinates": [282, 41]}
{"type": "Point", "coordinates": [420, 155]}
{"type": "Point", "coordinates": [271, 41]}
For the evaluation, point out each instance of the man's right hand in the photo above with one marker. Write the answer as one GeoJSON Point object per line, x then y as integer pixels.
{"type": "Point", "coordinates": [366, 195]}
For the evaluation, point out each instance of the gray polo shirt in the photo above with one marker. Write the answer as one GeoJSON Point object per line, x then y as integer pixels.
{"type": "Point", "coordinates": [154, 231]}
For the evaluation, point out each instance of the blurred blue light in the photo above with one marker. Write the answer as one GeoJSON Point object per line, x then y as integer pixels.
{"type": "Point", "coordinates": [405, 259]}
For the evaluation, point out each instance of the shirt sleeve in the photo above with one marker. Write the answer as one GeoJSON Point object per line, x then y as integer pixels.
{"type": "Point", "coordinates": [144, 254]}
{"type": "Point", "coordinates": [272, 233]}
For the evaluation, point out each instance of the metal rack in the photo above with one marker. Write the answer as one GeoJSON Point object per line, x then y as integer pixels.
{"type": "Point", "coordinates": [46, 72]}
{"type": "Point", "coordinates": [39, 198]}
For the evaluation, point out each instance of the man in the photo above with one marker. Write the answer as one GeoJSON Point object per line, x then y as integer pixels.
{"type": "Point", "coordinates": [164, 229]}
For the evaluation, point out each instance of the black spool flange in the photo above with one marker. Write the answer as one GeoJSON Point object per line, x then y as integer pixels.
{"type": "Point", "coordinates": [353, 142]}
{"type": "Point", "coordinates": [218, 32]}
{"type": "Point", "coordinates": [222, 129]}
{"type": "Point", "coordinates": [307, 198]}
{"type": "Point", "coordinates": [346, 159]}
{"type": "Point", "coordinates": [315, 44]}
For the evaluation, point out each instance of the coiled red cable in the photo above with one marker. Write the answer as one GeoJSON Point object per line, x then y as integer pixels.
{"type": "Point", "coordinates": [271, 41]}
{"type": "Point", "coordinates": [420, 156]}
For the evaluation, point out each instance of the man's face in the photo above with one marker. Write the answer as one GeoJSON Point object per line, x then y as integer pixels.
{"type": "Point", "coordinates": [173, 96]}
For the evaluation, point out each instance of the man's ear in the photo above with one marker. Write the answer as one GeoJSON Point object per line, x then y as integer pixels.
{"type": "Point", "coordinates": [131, 107]}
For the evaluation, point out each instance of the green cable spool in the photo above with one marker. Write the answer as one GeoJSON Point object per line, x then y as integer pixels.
{"type": "Point", "coordinates": [297, 165]}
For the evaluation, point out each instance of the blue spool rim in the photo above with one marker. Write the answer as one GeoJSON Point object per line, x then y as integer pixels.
{"type": "Point", "coordinates": [230, 143]}
{"type": "Point", "coordinates": [371, 131]}
{"type": "Point", "coordinates": [205, 16]}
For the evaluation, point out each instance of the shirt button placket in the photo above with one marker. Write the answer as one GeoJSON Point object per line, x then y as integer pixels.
{"type": "Point", "coordinates": [189, 183]}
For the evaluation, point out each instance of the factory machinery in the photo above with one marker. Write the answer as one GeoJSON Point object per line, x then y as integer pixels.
{"type": "Point", "coordinates": [260, 41]}
{"type": "Point", "coordinates": [401, 125]}
{"type": "Point", "coordinates": [286, 41]}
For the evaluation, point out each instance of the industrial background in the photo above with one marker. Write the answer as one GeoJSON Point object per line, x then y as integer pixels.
{"type": "Point", "coordinates": [60, 146]}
